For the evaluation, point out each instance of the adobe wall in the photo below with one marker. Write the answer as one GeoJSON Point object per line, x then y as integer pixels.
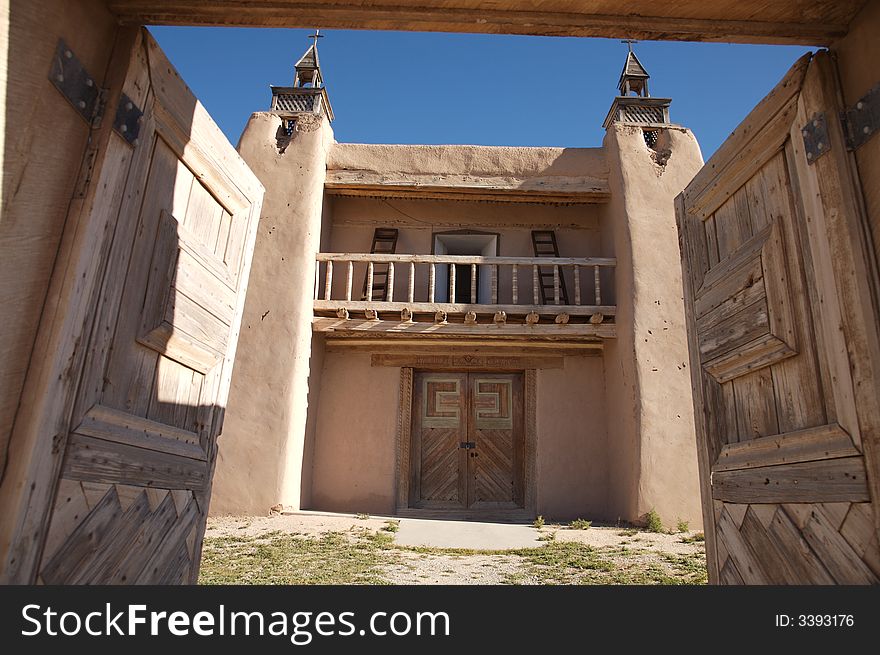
{"type": "Point", "coordinates": [355, 459]}
{"type": "Point", "coordinates": [858, 54]}
{"type": "Point", "coordinates": [652, 447]}
{"type": "Point", "coordinates": [261, 448]}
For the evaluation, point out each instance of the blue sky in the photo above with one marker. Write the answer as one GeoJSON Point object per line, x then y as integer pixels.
{"type": "Point", "coordinates": [409, 87]}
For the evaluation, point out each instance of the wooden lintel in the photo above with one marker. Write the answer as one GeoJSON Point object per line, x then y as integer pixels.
{"type": "Point", "coordinates": [505, 348]}
{"type": "Point", "coordinates": [459, 360]}
{"type": "Point", "coordinates": [329, 324]}
{"type": "Point", "coordinates": [686, 20]}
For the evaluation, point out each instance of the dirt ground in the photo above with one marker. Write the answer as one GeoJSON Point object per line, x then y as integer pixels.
{"type": "Point", "coordinates": [343, 549]}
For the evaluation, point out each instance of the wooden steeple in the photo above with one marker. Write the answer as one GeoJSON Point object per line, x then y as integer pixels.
{"type": "Point", "coordinates": [634, 105]}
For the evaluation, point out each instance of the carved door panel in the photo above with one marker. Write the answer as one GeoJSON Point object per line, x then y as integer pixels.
{"type": "Point", "coordinates": [135, 477]}
{"type": "Point", "coordinates": [495, 465]}
{"type": "Point", "coordinates": [468, 441]}
{"type": "Point", "coordinates": [439, 458]}
{"type": "Point", "coordinates": [772, 254]}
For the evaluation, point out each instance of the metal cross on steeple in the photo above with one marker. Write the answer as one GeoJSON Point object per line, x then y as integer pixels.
{"type": "Point", "coordinates": [317, 35]}
{"type": "Point", "coordinates": [629, 43]}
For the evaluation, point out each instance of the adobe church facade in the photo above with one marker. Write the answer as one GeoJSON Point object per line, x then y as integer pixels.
{"type": "Point", "coordinates": [488, 332]}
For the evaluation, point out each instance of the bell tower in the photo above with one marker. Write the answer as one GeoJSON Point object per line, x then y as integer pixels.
{"type": "Point", "coordinates": [634, 105]}
{"type": "Point", "coordinates": [303, 105]}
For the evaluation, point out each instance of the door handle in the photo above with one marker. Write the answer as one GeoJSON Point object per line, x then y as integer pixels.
{"type": "Point", "coordinates": [467, 444]}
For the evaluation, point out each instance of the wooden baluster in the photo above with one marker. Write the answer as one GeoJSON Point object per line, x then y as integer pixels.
{"type": "Point", "coordinates": [317, 279]}
{"type": "Point", "coordinates": [369, 281]}
{"type": "Point", "coordinates": [348, 280]}
{"type": "Point", "coordinates": [473, 284]}
{"type": "Point", "coordinates": [452, 283]}
{"type": "Point", "coordinates": [596, 284]}
{"type": "Point", "coordinates": [328, 281]}
{"type": "Point", "coordinates": [555, 285]}
{"type": "Point", "coordinates": [431, 276]}
{"type": "Point", "coordinates": [535, 284]}
{"type": "Point", "coordinates": [411, 286]}
{"type": "Point", "coordinates": [577, 284]}
{"type": "Point", "coordinates": [495, 284]}
{"type": "Point", "coordinates": [515, 284]}
{"type": "Point", "coordinates": [389, 283]}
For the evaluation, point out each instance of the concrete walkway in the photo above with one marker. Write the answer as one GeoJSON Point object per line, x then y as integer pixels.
{"type": "Point", "coordinates": [465, 534]}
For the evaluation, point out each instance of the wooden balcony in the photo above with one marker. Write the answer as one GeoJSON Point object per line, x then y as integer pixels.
{"type": "Point", "coordinates": [503, 296]}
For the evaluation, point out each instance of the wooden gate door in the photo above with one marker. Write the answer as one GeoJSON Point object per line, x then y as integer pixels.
{"type": "Point", "coordinates": [132, 474]}
{"type": "Point", "coordinates": [781, 302]}
{"type": "Point", "coordinates": [467, 449]}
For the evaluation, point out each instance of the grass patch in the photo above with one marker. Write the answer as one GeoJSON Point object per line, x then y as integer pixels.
{"type": "Point", "coordinates": [628, 532]}
{"type": "Point", "coordinates": [682, 526]}
{"type": "Point", "coordinates": [698, 537]}
{"type": "Point", "coordinates": [653, 523]}
{"type": "Point", "coordinates": [279, 558]}
{"type": "Point", "coordinates": [362, 517]}
{"type": "Point", "coordinates": [391, 526]}
{"type": "Point", "coordinates": [538, 523]}
{"type": "Point", "coordinates": [580, 524]}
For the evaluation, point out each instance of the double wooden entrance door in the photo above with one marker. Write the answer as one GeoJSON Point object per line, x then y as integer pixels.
{"type": "Point", "coordinates": [467, 441]}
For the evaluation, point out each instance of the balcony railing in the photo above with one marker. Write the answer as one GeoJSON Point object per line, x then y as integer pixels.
{"type": "Point", "coordinates": [500, 289]}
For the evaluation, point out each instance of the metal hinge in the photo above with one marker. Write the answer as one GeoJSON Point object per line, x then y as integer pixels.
{"type": "Point", "coordinates": [129, 118]}
{"type": "Point", "coordinates": [74, 82]}
{"type": "Point", "coordinates": [815, 135]}
{"type": "Point", "coordinates": [862, 120]}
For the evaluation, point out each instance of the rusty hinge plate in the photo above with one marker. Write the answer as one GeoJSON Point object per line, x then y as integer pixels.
{"type": "Point", "coordinates": [128, 120]}
{"type": "Point", "coordinates": [74, 82]}
{"type": "Point", "coordinates": [862, 120]}
{"type": "Point", "coordinates": [815, 135]}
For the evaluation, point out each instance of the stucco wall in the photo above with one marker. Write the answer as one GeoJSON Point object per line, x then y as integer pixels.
{"type": "Point", "coordinates": [261, 450]}
{"type": "Point", "coordinates": [572, 453]}
{"type": "Point", "coordinates": [652, 454]}
{"type": "Point", "coordinates": [354, 466]}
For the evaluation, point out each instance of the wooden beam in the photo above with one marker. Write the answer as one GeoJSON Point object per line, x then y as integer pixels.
{"type": "Point", "coordinates": [604, 330]}
{"type": "Point", "coordinates": [463, 259]}
{"type": "Point", "coordinates": [470, 360]}
{"type": "Point", "coordinates": [508, 346]}
{"type": "Point", "coordinates": [456, 308]}
{"type": "Point", "coordinates": [687, 20]}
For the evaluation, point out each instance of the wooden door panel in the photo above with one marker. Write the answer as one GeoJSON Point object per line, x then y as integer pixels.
{"type": "Point", "coordinates": [439, 427]}
{"type": "Point", "coordinates": [136, 474]}
{"type": "Point", "coordinates": [780, 429]}
{"type": "Point", "coordinates": [492, 465]}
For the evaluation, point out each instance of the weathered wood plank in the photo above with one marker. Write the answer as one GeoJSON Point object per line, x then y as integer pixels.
{"type": "Point", "coordinates": [764, 351]}
{"type": "Point", "coordinates": [858, 527]}
{"type": "Point", "coordinates": [161, 559]}
{"type": "Point", "coordinates": [143, 542]}
{"type": "Point", "coordinates": [83, 540]}
{"type": "Point", "coordinates": [757, 138]}
{"type": "Point", "coordinates": [98, 460]}
{"type": "Point", "coordinates": [71, 507]}
{"type": "Point", "coordinates": [836, 554]}
{"type": "Point", "coordinates": [801, 561]}
{"type": "Point", "coordinates": [827, 481]}
{"type": "Point", "coordinates": [605, 331]}
{"type": "Point", "coordinates": [748, 565]}
{"type": "Point", "coordinates": [819, 443]}
{"type": "Point", "coordinates": [114, 425]}
{"type": "Point", "coordinates": [755, 405]}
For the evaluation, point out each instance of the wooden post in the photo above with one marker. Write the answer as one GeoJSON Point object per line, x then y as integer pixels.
{"type": "Point", "coordinates": [369, 281]}
{"type": "Point", "coordinates": [411, 286]}
{"type": "Point", "coordinates": [328, 281]}
{"type": "Point", "coordinates": [431, 276]}
{"type": "Point", "coordinates": [452, 283]}
{"type": "Point", "coordinates": [515, 285]}
{"type": "Point", "coordinates": [535, 284]}
{"type": "Point", "coordinates": [577, 284]}
{"type": "Point", "coordinates": [596, 284]}
{"type": "Point", "coordinates": [473, 284]}
{"type": "Point", "coordinates": [495, 285]}
{"type": "Point", "coordinates": [389, 283]}
{"type": "Point", "coordinates": [348, 281]}
{"type": "Point", "coordinates": [555, 285]}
